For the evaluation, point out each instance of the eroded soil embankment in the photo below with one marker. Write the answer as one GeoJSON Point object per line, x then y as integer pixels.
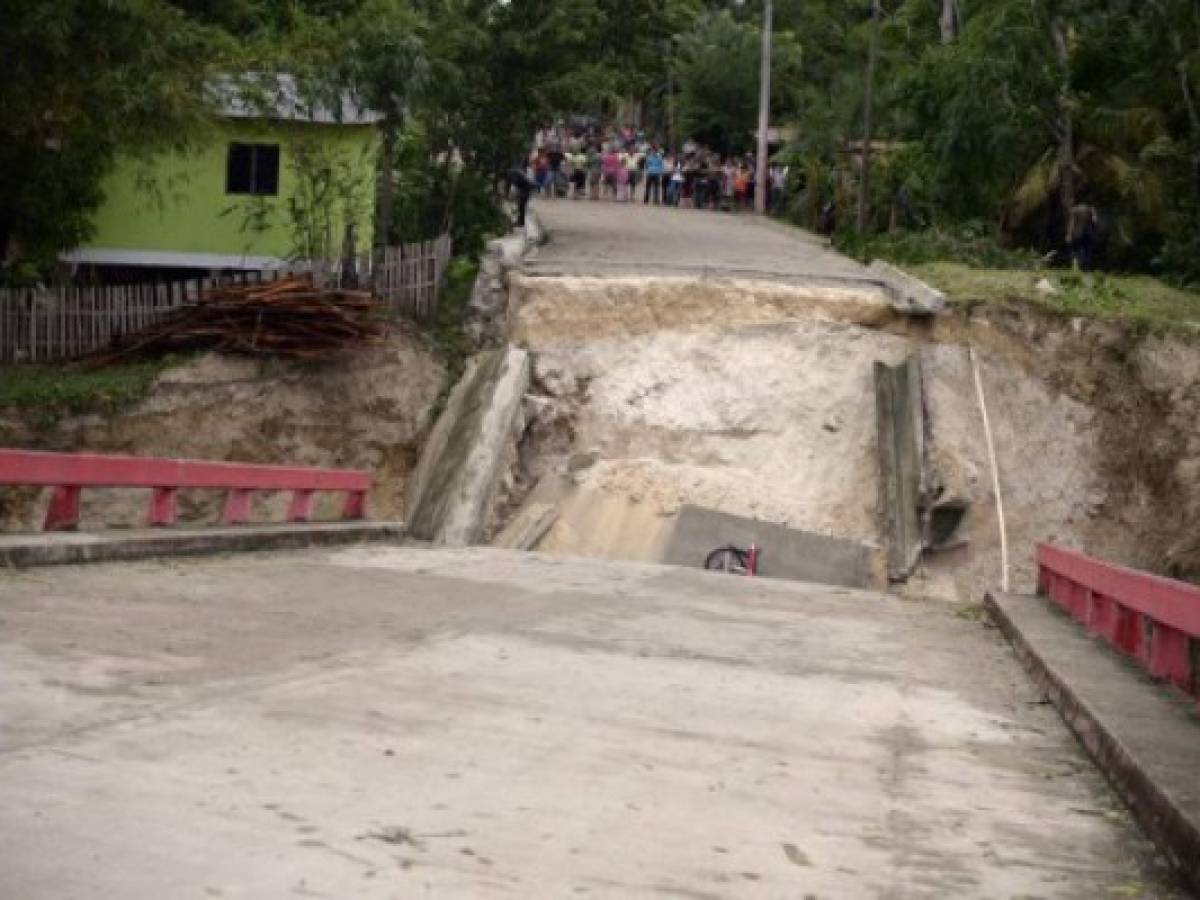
{"type": "Point", "coordinates": [1136, 398]}
{"type": "Point", "coordinates": [757, 400]}
{"type": "Point", "coordinates": [369, 409]}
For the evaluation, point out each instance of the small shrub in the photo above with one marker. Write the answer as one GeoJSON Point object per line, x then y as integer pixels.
{"type": "Point", "coordinates": [971, 244]}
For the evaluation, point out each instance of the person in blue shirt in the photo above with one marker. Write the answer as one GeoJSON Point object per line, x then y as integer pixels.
{"type": "Point", "coordinates": [654, 174]}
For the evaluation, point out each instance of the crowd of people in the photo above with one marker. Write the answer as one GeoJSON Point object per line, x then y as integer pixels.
{"type": "Point", "coordinates": [623, 165]}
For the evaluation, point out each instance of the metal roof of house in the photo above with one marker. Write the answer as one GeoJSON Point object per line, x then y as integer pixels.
{"type": "Point", "coordinates": [279, 97]}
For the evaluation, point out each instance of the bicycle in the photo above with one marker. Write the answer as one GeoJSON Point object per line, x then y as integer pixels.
{"type": "Point", "coordinates": [733, 560]}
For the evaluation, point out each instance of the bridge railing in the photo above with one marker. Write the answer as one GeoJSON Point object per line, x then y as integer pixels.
{"type": "Point", "coordinates": [69, 473]}
{"type": "Point", "coordinates": [1155, 620]}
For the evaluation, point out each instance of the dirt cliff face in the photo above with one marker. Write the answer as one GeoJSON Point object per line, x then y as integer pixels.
{"type": "Point", "coordinates": [369, 409]}
{"type": "Point", "coordinates": [1132, 404]}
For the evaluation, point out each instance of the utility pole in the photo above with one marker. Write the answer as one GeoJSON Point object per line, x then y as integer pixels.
{"type": "Point", "coordinates": [864, 184]}
{"type": "Point", "coordinates": [950, 21]}
{"type": "Point", "coordinates": [761, 175]}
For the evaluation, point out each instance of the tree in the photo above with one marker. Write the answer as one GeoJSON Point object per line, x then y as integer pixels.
{"type": "Point", "coordinates": [384, 63]}
{"type": "Point", "coordinates": [84, 79]}
{"type": "Point", "coordinates": [717, 77]}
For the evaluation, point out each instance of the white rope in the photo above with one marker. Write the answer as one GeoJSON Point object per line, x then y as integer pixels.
{"type": "Point", "coordinates": [991, 448]}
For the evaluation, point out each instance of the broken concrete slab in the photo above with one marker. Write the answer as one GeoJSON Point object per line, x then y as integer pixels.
{"type": "Point", "coordinates": [547, 311]}
{"type": "Point", "coordinates": [910, 295]}
{"type": "Point", "coordinates": [1143, 737]}
{"type": "Point", "coordinates": [457, 478]}
{"type": "Point", "coordinates": [785, 552]}
{"type": "Point", "coordinates": [900, 418]}
{"type": "Point", "coordinates": [528, 527]}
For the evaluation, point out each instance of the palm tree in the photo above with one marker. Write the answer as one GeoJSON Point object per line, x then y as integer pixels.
{"type": "Point", "coordinates": [1111, 160]}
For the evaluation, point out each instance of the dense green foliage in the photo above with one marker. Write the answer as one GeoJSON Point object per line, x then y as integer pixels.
{"type": "Point", "coordinates": [462, 85]}
{"type": "Point", "coordinates": [82, 80]}
{"type": "Point", "coordinates": [1017, 112]}
{"type": "Point", "coordinates": [717, 66]}
{"type": "Point", "coordinates": [970, 243]}
{"type": "Point", "coordinates": [992, 117]}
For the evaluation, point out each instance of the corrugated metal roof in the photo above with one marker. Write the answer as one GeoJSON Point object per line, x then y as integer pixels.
{"type": "Point", "coordinates": [278, 97]}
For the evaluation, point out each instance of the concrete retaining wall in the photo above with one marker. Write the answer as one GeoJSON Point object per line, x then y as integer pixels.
{"type": "Point", "coordinates": [910, 295]}
{"type": "Point", "coordinates": [486, 319]}
{"type": "Point", "coordinates": [456, 480]}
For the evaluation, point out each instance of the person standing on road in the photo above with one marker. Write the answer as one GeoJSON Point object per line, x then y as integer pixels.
{"type": "Point", "coordinates": [676, 183]}
{"type": "Point", "coordinates": [654, 175]}
{"type": "Point", "coordinates": [523, 182]}
{"type": "Point", "coordinates": [555, 158]}
{"type": "Point", "coordinates": [541, 170]}
{"type": "Point", "coordinates": [594, 172]}
{"type": "Point", "coordinates": [579, 174]}
{"type": "Point", "coordinates": [741, 187]}
{"type": "Point", "coordinates": [633, 170]}
{"type": "Point", "coordinates": [777, 199]}
{"type": "Point", "coordinates": [610, 167]}
{"type": "Point", "coordinates": [696, 177]}
{"type": "Point", "coordinates": [623, 176]}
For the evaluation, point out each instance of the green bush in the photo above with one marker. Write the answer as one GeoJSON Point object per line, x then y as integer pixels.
{"type": "Point", "coordinates": [971, 244]}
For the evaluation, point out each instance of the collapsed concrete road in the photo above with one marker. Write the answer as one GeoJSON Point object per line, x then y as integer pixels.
{"type": "Point", "coordinates": [385, 722]}
{"type": "Point", "coordinates": [689, 359]}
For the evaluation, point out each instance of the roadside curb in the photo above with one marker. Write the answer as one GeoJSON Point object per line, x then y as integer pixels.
{"type": "Point", "coordinates": [29, 551]}
{"type": "Point", "coordinates": [1169, 819]}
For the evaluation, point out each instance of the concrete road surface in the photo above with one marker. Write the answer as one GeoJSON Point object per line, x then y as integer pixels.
{"type": "Point", "coordinates": [602, 238]}
{"type": "Point", "coordinates": [401, 723]}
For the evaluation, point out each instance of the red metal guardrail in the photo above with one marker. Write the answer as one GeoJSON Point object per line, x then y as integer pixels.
{"type": "Point", "coordinates": [69, 473]}
{"type": "Point", "coordinates": [1155, 620]}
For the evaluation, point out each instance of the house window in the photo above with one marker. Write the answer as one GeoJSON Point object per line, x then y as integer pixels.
{"type": "Point", "coordinates": [252, 169]}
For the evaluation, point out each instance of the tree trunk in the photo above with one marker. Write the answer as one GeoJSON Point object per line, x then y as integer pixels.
{"type": "Point", "coordinates": [950, 21]}
{"type": "Point", "coordinates": [864, 187]}
{"type": "Point", "coordinates": [1189, 102]}
{"type": "Point", "coordinates": [387, 185]}
{"type": "Point", "coordinates": [1066, 126]}
{"type": "Point", "coordinates": [762, 164]}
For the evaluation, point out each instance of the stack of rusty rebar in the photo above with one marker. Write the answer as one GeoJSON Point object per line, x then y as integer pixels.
{"type": "Point", "coordinates": [288, 317]}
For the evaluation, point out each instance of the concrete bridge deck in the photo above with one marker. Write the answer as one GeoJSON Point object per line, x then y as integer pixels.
{"type": "Point", "coordinates": [603, 238]}
{"type": "Point", "coordinates": [386, 722]}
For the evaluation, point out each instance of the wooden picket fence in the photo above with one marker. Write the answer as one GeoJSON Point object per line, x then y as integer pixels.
{"type": "Point", "coordinates": [41, 325]}
{"type": "Point", "coordinates": [410, 277]}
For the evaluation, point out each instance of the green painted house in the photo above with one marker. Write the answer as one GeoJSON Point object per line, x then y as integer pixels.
{"type": "Point", "coordinates": [273, 181]}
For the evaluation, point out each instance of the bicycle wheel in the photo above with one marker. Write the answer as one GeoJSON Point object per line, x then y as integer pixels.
{"type": "Point", "coordinates": [727, 559]}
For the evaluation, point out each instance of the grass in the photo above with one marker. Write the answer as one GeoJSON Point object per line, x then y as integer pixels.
{"type": "Point", "coordinates": [51, 391]}
{"type": "Point", "coordinates": [972, 245]}
{"type": "Point", "coordinates": [971, 266]}
{"type": "Point", "coordinates": [1140, 301]}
